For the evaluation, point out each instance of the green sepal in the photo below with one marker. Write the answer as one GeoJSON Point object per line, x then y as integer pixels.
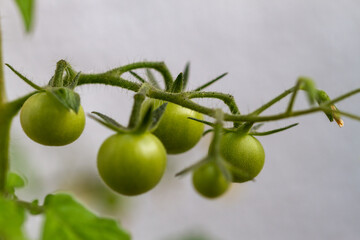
{"type": "Point", "coordinates": [65, 218]}
{"type": "Point", "coordinates": [146, 121]}
{"type": "Point", "coordinates": [137, 76]}
{"type": "Point", "coordinates": [210, 82]}
{"type": "Point", "coordinates": [69, 78]}
{"type": "Point", "coordinates": [14, 181]}
{"type": "Point", "coordinates": [152, 78]}
{"type": "Point", "coordinates": [26, 8]}
{"type": "Point", "coordinates": [223, 168]}
{"type": "Point", "coordinates": [108, 122]}
{"type": "Point", "coordinates": [25, 79]}
{"type": "Point", "coordinates": [207, 131]}
{"type": "Point", "coordinates": [257, 126]}
{"type": "Point", "coordinates": [238, 171]}
{"type": "Point", "coordinates": [308, 85]}
{"type": "Point", "coordinates": [156, 116]}
{"type": "Point", "coordinates": [254, 133]}
{"type": "Point", "coordinates": [322, 97]}
{"type": "Point", "coordinates": [192, 167]}
{"type": "Point", "coordinates": [178, 84]}
{"type": "Point", "coordinates": [186, 75]}
{"type": "Point", "coordinates": [74, 82]}
{"type": "Point", "coordinates": [67, 97]}
{"type": "Point", "coordinates": [202, 121]}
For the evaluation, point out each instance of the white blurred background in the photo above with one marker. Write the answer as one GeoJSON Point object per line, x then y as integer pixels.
{"type": "Point", "coordinates": [310, 185]}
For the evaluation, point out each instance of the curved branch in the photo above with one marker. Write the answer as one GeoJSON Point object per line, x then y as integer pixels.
{"type": "Point", "coordinates": [158, 66]}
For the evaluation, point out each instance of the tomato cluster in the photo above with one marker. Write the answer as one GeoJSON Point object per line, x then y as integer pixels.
{"type": "Point", "coordinates": [133, 162]}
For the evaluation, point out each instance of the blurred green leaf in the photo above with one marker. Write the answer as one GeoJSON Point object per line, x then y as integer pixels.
{"type": "Point", "coordinates": [26, 8]}
{"type": "Point", "coordinates": [67, 219]}
{"type": "Point", "coordinates": [14, 181]}
{"type": "Point", "coordinates": [12, 218]}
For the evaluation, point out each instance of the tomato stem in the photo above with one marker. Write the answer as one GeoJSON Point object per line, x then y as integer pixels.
{"type": "Point", "coordinates": [5, 123]}
{"type": "Point", "coordinates": [59, 73]}
{"type": "Point", "coordinates": [139, 98]}
{"type": "Point", "coordinates": [158, 66]}
{"type": "Point", "coordinates": [2, 77]}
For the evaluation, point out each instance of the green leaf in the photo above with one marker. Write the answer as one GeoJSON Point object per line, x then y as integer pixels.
{"type": "Point", "coordinates": [178, 84]}
{"type": "Point", "coordinates": [12, 218]}
{"type": "Point", "coordinates": [67, 219]}
{"type": "Point", "coordinates": [67, 97]}
{"type": "Point", "coordinates": [14, 181]}
{"type": "Point", "coordinates": [26, 8]}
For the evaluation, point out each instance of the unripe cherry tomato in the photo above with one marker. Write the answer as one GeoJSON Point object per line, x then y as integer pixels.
{"type": "Point", "coordinates": [244, 152]}
{"type": "Point", "coordinates": [131, 164]}
{"type": "Point", "coordinates": [209, 181]}
{"type": "Point", "coordinates": [46, 121]}
{"type": "Point", "coordinates": [178, 133]}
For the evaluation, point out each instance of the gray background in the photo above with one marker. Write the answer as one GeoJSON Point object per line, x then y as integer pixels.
{"type": "Point", "coordinates": [310, 185]}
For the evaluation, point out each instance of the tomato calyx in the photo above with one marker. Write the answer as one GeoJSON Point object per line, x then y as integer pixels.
{"type": "Point", "coordinates": [136, 125]}
{"type": "Point", "coordinates": [61, 85]}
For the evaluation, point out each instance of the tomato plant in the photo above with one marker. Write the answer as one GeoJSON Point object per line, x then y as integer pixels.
{"type": "Point", "coordinates": [131, 164]}
{"type": "Point", "coordinates": [209, 181]}
{"type": "Point", "coordinates": [47, 121]}
{"type": "Point", "coordinates": [175, 130]}
{"type": "Point", "coordinates": [244, 152]}
{"type": "Point", "coordinates": [133, 160]}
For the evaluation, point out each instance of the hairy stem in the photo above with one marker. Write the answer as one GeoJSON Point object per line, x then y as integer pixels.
{"type": "Point", "coordinates": [158, 66]}
{"type": "Point", "coordinates": [2, 77]}
{"type": "Point", "coordinates": [107, 79]}
{"type": "Point", "coordinates": [5, 124]}
{"type": "Point", "coordinates": [138, 100]}
{"type": "Point", "coordinates": [226, 98]}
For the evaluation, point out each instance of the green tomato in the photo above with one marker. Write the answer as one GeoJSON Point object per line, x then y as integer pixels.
{"type": "Point", "coordinates": [131, 164]}
{"type": "Point", "coordinates": [46, 121]}
{"type": "Point", "coordinates": [178, 133]}
{"type": "Point", "coordinates": [209, 181]}
{"type": "Point", "coordinates": [244, 152]}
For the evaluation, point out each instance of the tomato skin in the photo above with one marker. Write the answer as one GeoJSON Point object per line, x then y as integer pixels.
{"type": "Point", "coordinates": [209, 181]}
{"type": "Point", "coordinates": [131, 164]}
{"type": "Point", "coordinates": [243, 151]}
{"type": "Point", "coordinates": [178, 133]}
{"type": "Point", "coordinates": [46, 121]}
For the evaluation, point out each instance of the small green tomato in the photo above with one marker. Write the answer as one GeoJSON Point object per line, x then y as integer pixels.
{"type": "Point", "coordinates": [178, 133]}
{"type": "Point", "coordinates": [46, 121]}
{"type": "Point", "coordinates": [131, 164]}
{"type": "Point", "coordinates": [209, 181]}
{"type": "Point", "coordinates": [244, 152]}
